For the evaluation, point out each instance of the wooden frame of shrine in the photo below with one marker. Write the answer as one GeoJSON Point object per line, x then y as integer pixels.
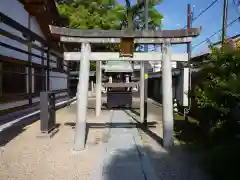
{"type": "Point", "coordinates": [85, 37]}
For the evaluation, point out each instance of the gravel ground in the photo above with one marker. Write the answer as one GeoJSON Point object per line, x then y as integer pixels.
{"type": "Point", "coordinates": [26, 157]}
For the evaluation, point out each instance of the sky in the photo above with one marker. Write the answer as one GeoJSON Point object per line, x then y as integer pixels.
{"type": "Point", "coordinates": [175, 17]}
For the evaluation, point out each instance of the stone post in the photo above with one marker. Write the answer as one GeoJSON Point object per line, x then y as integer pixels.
{"type": "Point", "coordinates": [92, 87]}
{"type": "Point", "coordinates": [98, 87]}
{"type": "Point", "coordinates": [82, 98]}
{"type": "Point", "coordinates": [142, 86]}
{"type": "Point", "coordinates": [110, 79]}
{"type": "Point", "coordinates": [167, 96]}
{"type": "Point", "coordinates": [127, 78]}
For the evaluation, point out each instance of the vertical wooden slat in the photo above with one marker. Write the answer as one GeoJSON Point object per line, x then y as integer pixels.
{"type": "Point", "coordinates": [43, 70]}
{"type": "Point", "coordinates": [29, 63]}
{"type": "Point", "coordinates": [30, 72]}
{"type": "Point", "coordinates": [1, 78]}
{"type": "Point", "coordinates": [26, 78]}
{"type": "Point", "coordinates": [33, 80]}
{"type": "Point", "coordinates": [48, 68]}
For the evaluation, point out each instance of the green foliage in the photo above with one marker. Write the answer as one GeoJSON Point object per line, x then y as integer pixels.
{"type": "Point", "coordinates": [106, 14]}
{"type": "Point", "coordinates": [220, 78]}
{"type": "Point", "coordinates": [98, 14]}
{"type": "Point", "coordinates": [134, 18]}
{"type": "Point", "coordinates": [218, 93]}
{"type": "Point", "coordinates": [92, 66]}
{"type": "Point", "coordinates": [217, 97]}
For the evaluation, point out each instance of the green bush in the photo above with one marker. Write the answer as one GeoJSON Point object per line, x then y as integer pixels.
{"type": "Point", "coordinates": [218, 92]}
{"type": "Point", "coordinates": [217, 105]}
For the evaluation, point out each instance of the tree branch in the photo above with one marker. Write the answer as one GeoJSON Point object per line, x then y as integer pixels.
{"type": "Point", "coordinates": [128, 3]}
{"type": "Point", "coordinates": [140, 4]}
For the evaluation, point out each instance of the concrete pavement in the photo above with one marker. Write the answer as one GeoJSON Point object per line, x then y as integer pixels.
{"type": "Point", "coordinates": [123, 156]}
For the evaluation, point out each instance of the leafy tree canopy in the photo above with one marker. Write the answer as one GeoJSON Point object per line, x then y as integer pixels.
{"type": "Point", "coordinates": [107, 14]}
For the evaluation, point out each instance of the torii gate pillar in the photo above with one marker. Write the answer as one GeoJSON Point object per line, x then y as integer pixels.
{"type": "Point", "coordinates": [82, 98]}
{"type": "Point", "coordinates": [98, 88]}
{"type": "Point", "coordinates": [167, 96]}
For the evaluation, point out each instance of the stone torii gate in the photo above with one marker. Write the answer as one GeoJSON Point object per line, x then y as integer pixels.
{"type": "Point", "coordinates": [85, 37]}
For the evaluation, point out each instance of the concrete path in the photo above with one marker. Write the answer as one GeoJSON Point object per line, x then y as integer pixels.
{"type": "Point", "coordinates": [122, 154]}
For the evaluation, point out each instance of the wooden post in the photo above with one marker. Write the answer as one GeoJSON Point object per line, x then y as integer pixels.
{"type": "Point", "coordinates": [82, 98]}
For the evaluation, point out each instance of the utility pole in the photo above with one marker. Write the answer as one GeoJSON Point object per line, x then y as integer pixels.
{"type": "Point", "coordinates": [225, 18]}
{"type": "Point", "coordinates": [189, 25]}
{"type": "Point", "coordinates": [146, 66]}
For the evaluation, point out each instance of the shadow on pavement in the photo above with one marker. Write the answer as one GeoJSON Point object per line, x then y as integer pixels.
{"type": "Point", "coordinates": [14, 115]}
{"type": "Point", "coordinates": [173, 164]}
{"type": "Point", "coordinates": [9, 133]}
{"type": "Point", "coordinates": [109, 125]}
{"type": "Point", "coordinates": [135, 112]}
{"type": "Point", "coordinates": [146, 129]}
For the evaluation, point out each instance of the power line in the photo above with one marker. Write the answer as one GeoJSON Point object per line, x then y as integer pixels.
{"type": "Point", "coordinates": [207, 39]}
{"type": "Point", "coordinates": [236, 6]}
{"type": "Point", "coordinates": [237, 3]}
{"type": "Point", "coordinates": [203, 11]}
